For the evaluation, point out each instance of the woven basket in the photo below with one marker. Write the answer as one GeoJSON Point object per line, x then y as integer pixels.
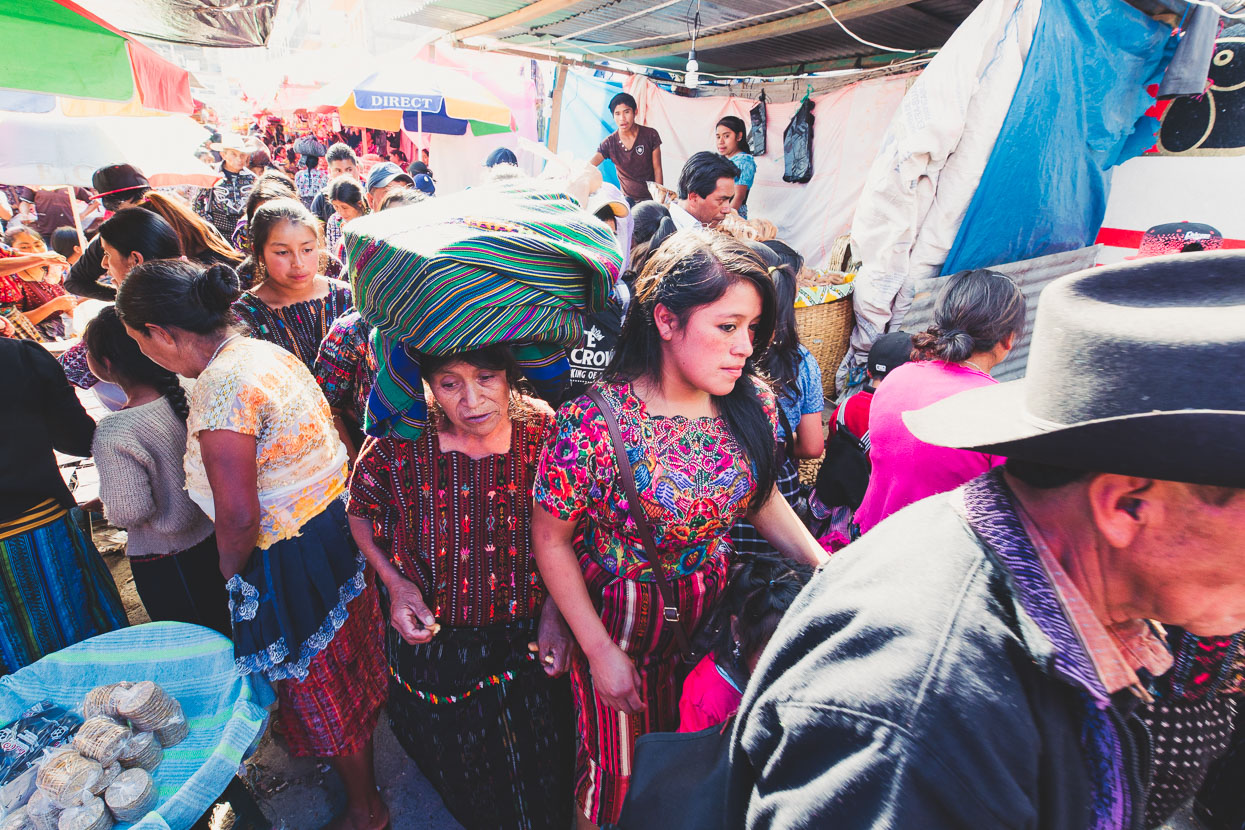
{"type": "Point", "coordinates": [841, 253]}
{"type": "Point", "coordinates": [825, 330]}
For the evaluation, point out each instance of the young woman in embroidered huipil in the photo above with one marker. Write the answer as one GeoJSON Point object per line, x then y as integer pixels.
{"type": "Point", "coordinates": [291, 304]}
{"type": "Point", "coordinates": [446, 522]}
{"type": "Point", "coordinates": [700, 429]}
{"type": "Point", "coordinates": [264, 462]}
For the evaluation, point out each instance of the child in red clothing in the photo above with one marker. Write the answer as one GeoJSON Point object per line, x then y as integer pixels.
{"type": "Point", "coordinates": [761, 589]}
{"type": "Point", "coordinates": [842, 481]}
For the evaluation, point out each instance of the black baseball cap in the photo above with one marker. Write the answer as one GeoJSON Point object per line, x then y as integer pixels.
{"type": "Point", "coordinates": [502, 155]}
{"type": "Point", "coordinates": [890, 350]}
{"type": "Point", "coordinates": [115, 179]}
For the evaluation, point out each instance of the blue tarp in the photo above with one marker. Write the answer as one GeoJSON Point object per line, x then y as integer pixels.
{"type": "Point", "coordinates": [225, 711]}
{"type": "Point", "coordinates": [1081, 98]}
{"type": "Point", "coordinates": [586, 119]}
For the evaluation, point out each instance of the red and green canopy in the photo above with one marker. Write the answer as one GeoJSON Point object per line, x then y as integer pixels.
{"type": "Point", "coordinates": [58, 48]}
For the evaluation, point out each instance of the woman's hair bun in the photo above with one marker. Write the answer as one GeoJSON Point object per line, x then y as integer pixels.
{"type": "Point", "coordinates": [216, 288]}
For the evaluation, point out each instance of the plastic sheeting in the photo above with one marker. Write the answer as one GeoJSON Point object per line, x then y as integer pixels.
{"type": "Point", "coordinates": [197, 22]}
{"type": "Point", "coordinates": [930, 161]}
{"type": "Point", "coordinates": [797, 145]}
{"type": "Point", "coordinates": [1078, 102]}
{"type": "Point", "coordinates": [585, 119]}
{"type": "Point", "coordinates": [850, 124]}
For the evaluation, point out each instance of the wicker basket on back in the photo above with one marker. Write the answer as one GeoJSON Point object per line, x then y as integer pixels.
{"type": "Point", "coordinates": [825, 330]}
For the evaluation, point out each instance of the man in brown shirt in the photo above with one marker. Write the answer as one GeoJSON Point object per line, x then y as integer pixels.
{"type": "Point", "coordinates": [634, 149]}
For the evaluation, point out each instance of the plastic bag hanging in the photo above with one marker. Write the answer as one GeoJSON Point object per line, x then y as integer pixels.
{"type": "Point", "coordinates": [760, 121]}
{"type": "Point", "coordinates": [797, 145]}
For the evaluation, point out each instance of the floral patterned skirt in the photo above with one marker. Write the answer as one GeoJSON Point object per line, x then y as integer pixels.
{"type": "Point", "coordinates": [290, 600]}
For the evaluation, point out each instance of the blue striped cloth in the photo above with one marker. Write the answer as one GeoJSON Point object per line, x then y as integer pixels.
{"type": "Point", "coordinates": [226, 712]}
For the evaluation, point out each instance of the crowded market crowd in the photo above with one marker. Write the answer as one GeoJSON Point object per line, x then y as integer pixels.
{"type": "Point", "coordinates": [1001, 605]}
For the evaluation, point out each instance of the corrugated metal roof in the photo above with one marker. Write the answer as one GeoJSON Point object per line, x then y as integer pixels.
{"type": "Point", "coordinates": [1032, 275]}
{"type": "Point", "coordinates": [601, 27]}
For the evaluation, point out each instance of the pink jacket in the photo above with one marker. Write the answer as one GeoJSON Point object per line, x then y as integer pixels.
{"type": "Point", "coordinates": [906, 469]}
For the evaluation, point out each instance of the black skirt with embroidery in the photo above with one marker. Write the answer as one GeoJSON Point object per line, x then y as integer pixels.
{"type": "Point", "coordinates": [486, 726]}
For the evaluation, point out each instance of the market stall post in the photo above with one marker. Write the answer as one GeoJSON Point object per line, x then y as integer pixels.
{"type": "Point", "coordinates": [77, 220]}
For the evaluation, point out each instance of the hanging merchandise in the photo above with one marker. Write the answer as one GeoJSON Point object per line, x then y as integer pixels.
{"type": "Point", "coordinates": [756, 136]}
{"type": "Point", "coordinates": [797, 145]}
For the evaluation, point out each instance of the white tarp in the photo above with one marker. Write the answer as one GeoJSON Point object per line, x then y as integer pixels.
{"type": "Point", "coordinates": [850, 123]}
{"type": "Point", "coordinates": [931, 160]}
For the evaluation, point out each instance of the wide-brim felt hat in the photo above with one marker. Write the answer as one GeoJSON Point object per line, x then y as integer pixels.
{"type": "Point", "coordinates": [1136, 368]}
{"type": "Point", "coordinates": [230, 141]}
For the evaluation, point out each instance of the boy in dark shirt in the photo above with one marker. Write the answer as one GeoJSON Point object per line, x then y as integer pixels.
{"type": "Point", "coordinates": [634, 148]}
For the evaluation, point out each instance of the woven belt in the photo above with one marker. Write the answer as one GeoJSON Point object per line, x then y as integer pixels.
{"type": "Point", "coordinates": [45, 512]}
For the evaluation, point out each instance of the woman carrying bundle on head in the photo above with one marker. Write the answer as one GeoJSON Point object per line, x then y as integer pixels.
{"type": "Point", "coordinates": [138, 451]}
{"type": "Point", "coordinates": [445, 521]}
{"type": "Point", "coordinates": [264, 462]}
{"type": "Point", "coordinates": [978, 317]}
{"type": "Point", "coordinates": [292, 302]}
{"type": "Point", "coordinates": [699, 430]}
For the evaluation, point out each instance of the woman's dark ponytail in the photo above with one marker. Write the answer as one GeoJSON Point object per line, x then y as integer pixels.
{"type": "Point", "coordinates": [974, 312]}
{"type": "Point", "coordinates": [216, 288]}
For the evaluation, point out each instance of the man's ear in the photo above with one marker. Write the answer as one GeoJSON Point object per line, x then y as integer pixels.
{"type": "Point", "coordinates": [1121, 506]}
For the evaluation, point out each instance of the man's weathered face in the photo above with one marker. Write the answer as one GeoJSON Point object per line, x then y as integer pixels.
{"type": "Point", "coordinates": [715, 207]}
{"type": "Point", "coordinates": [1189, 561]}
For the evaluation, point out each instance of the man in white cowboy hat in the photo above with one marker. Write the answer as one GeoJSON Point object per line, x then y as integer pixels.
{"type": "Point", "coordinates": [977, 659]}
{"type": "Point", "coordinates": [223, 204]}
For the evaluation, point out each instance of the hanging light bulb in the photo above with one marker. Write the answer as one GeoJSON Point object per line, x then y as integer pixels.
{"type": "Point", "coordinates": [692, 79]}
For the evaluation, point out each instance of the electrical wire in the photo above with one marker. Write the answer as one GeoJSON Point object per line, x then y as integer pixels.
{"type": "Point", "coordinates": [860, 39]}
{"type": "Point", "coordinates": [641, 69]}
{"type": "Point", "coordinates": [723, 25]}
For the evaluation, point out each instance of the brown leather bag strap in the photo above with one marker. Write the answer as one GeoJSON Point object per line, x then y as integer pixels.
{"type": "Point", "coordinates": [670, 610]}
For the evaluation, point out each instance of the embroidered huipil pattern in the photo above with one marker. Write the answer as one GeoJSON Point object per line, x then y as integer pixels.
{"type": "Point", "coordinates": [457, 527]}
{"type": "Point", "coordinates": [690, 473]}
{"type": "Point", "coordinates": [259, 389]}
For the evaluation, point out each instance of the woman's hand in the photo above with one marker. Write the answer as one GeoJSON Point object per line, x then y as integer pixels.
{"type": "Point", "coordinates": [408, 613]}
{"type": "Point", "coordinates": [616, 681]}
{"type": "Point", "coordinates": [65, 303]}
{"type": "Point", "coordinates": [553, 640]}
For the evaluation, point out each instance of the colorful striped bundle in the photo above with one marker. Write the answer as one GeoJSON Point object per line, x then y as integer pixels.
{"type": "Point", "coordinates": [508, 262]}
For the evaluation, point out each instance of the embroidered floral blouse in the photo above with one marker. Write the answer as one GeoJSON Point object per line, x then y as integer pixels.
{"type": "Point", "coordinates": [690, 473]}
{"type": "Point", "coordinates": [458, 527]}
{"type": "Point", "coordinates": [345, 368]}
{"type": "Point", "coordinates": [259, 389]}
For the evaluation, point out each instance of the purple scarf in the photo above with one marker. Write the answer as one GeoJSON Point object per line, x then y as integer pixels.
{"type": "Point", "coordinates": [987, 504]}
